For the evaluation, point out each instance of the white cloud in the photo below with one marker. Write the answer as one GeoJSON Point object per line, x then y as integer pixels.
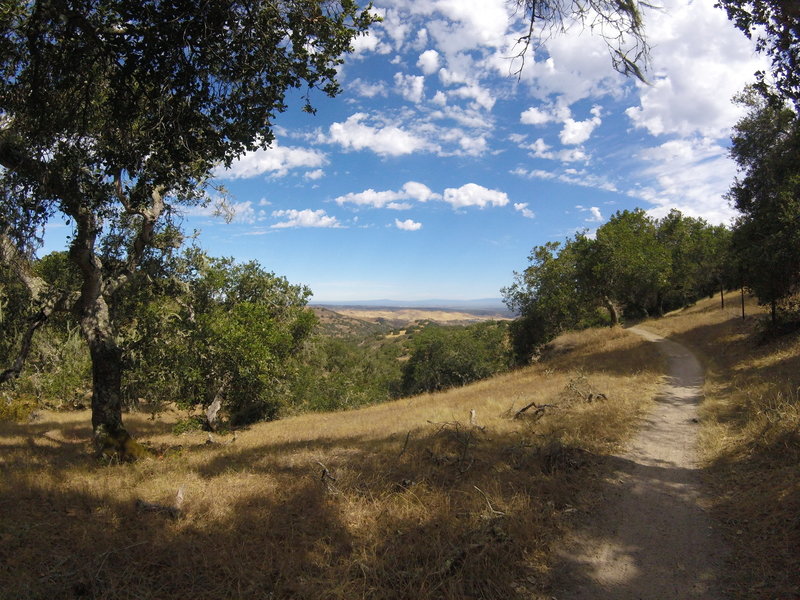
{"type": "Point", "coordinates": [373, 199]}
{"type": "Point", "coordinates": [595, 216]}
{"type": "Point", "coordinates": [408, 225]}
{"type": "Point", "coordinates": [481, 96]}
{"type": "Point", "coordinates": [429, 62]}
{"type": "Point", "coordinates": [522, 207]}
{"type": "Point", "coordinates": [276, 160]}
{"type": "Point", "coordinates": [691, 175]}
{"type": "Point", "coordinates": [367, 89]}
{"type": "Point", "coordinates": [536, 116]}
{"type": "Point", "coordinates": [411, 87]}
{"type": "Point", "coordinates": [419, 191]}
{"type": "Point", "coordinates": [472, 145]}
{"type": "Point", "coordinates": [540, 149]}
{"type": "Point", "coordinates": [390, 199]}
{"type": "Point", "coordinates": [700, 62]}
{"type": "Point", "coordinates": [472, 194]}
{"type": "Point", "coordinates": [577, 132]}
{"type": "Point", "coordinates": [304, 218]}
{"type": "Point", "coordinates": [315, 174]}
{"type": "Point", "coordinates": [381, 139]}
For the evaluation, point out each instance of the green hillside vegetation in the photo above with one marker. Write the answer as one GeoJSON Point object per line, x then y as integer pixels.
{"type": "Point", "coordinates": [207, 328]}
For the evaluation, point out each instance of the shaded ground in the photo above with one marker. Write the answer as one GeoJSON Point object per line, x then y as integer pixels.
{"type": "Point", "coordinates": [651, 539]}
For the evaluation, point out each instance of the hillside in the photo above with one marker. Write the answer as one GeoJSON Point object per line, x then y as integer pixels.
{"type": "Point", "coordinates": [407, 499]}
{"type": "Point", "coordinates": [367, 319]}
{"type": "Point", "coordinates": [417, 498]}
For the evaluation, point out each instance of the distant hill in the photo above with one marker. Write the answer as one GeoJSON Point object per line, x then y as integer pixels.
{"type": "Point", "coordinates": [336, 324]}
{"type": "Point", "coordinates": [481, 306]}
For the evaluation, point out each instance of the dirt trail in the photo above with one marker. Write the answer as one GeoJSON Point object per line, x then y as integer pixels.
{"type": "Point", "coordinates": [651, 540]}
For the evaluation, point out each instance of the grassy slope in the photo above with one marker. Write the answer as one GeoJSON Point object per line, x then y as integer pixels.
{"type": "Point", "coordinates": [399, 500]}
{"type": "Point", "coordinates": [750, 440]}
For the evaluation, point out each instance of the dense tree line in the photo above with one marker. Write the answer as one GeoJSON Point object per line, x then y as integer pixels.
{"type": "Point", "coordinates": [634, 266]}
{"type": "Point", "coordinates": [766, 236]}
{"type": "Point", "coordinates": [205, 328]}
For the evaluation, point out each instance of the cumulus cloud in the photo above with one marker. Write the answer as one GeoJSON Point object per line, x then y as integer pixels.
{"type": "Point", "coordinates": [391, 199]}
{"type": "Point", "coordinates": [276, 160]}
{"type": "Point", "coordinates": [419, 191]}
{"type": "Point", "coordinates": [595, 216]}
{"type": "Point", "coordinates": [522, 207]}
{"type": "Point", "coordinates": [429, 62]}
{"type": "Point", "coordinates": [481, 96]}
{"type": "Point", "coordinates": [577, 132]}
{"type": "Point", "coordinates": [407, 225]}
{"type": "Point", "coordinates": [367, 89]}
{"type": "Point", "coordinates": [540, 149]}
{"type": "Point", "coordinates": [410, 87]}
{"type": "Point", "coordinates": [382, 139]}
{"type": "Point", "coordinates": [304, 218]}
{"type": "Point", "coordinates": [700, 63]}
{"type": "Point", "coordinates": [472, 194]}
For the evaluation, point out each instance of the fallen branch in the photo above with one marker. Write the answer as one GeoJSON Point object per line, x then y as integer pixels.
{"type": "Point", "coordinates": [405, 444]}
{"type": "Point", "coordinates": [539, 409]}
{"type": "Point", "coordinates": [499, 513]}
{"type": "Point", "coordinates": [327, 478]}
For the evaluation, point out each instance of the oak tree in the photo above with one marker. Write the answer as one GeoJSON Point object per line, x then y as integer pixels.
{"type": "Point", "coordinates": [114, 114]}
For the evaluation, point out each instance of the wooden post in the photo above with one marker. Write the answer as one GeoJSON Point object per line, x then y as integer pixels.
{"type": "Point", "coordinates": [742, 302]}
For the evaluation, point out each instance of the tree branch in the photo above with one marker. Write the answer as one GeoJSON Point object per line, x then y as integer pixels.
{"type": "Point", "coordinates": [144, 236]}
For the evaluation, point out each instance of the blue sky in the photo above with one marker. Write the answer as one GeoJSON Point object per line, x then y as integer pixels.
{"type": "Point", "coordinates": [436, 170]}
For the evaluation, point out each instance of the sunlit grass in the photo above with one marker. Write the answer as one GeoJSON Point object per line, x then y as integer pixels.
{"type": "Point", "coordinates": [410, 499]}
{"type": "Point", "coordinates": [750, 440]}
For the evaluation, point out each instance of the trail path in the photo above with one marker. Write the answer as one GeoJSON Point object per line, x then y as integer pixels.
{"type": "Point", "coordinates": [651, 540]}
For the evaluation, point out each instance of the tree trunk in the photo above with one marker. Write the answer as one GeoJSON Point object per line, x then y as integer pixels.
{"type": "Point", "coordinates": [612, 310]}
{"type": "Point", "coordinates": [111, 440]}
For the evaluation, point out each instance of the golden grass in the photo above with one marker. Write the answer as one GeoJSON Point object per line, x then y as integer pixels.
{"type": "Point", "coordinates": [750, 441]}
{"type": "Point", "coordinates": [400, 500]}
{"type": "Point", "coordinates": [411, 315]}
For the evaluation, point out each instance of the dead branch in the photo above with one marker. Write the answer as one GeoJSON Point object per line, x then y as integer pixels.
{"type": "Point", "coordinates": [540, 408]}
{"type": "Point", "coordinates": [405, 444]}
{"type": "Point", "coordinates": [492, 510]}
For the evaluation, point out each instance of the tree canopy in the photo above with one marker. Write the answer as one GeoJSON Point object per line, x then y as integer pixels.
{"type": "Point", "coordinates": [766, 147]}
{"type": "Point", "coordinates": [114, 114]}
{"type": "Point", "coordinates": [775, 26]}
{"type": "Point", "coordinates": [634, 266]}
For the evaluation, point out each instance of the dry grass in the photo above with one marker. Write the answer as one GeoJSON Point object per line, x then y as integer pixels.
{"type": "Point", "coordinates": [412, 315]}
{"type": "Point", "coordinates": [751, 441]}
{"type": "Point", "coordinates": [400, 500]}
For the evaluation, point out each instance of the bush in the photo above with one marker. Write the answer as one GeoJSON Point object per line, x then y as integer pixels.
{"type": "Point", "coordinates": [445, 357]}
{"type": "Point", "coordinates": [17, 408]}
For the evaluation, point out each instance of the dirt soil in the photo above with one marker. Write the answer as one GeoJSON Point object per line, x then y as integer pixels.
{"type": "Point", "coordinates": [651, 539]}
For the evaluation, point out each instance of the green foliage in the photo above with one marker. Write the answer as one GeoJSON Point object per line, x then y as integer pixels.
{"type": "Point", "coordinates": [636, 265]}
{"type": "Point", "coordinates": [775, 26]}
{"type": "Point", "coordinates": [58, 370]}
{"type": "Point", "coordinates": [192, 423]}
{"type": "Point", "coordinates": [445, 357]}
{"type": "Point", "coordinates": [115, 114]}
{"type": "Point", "coordinates": [344, 373]}
{"type": "Point", "coordinates": [219, 328]}
{"type": "Point", "coordinates": [766, 146]}
{"type": "Point", "coordinates": [546, 296]}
